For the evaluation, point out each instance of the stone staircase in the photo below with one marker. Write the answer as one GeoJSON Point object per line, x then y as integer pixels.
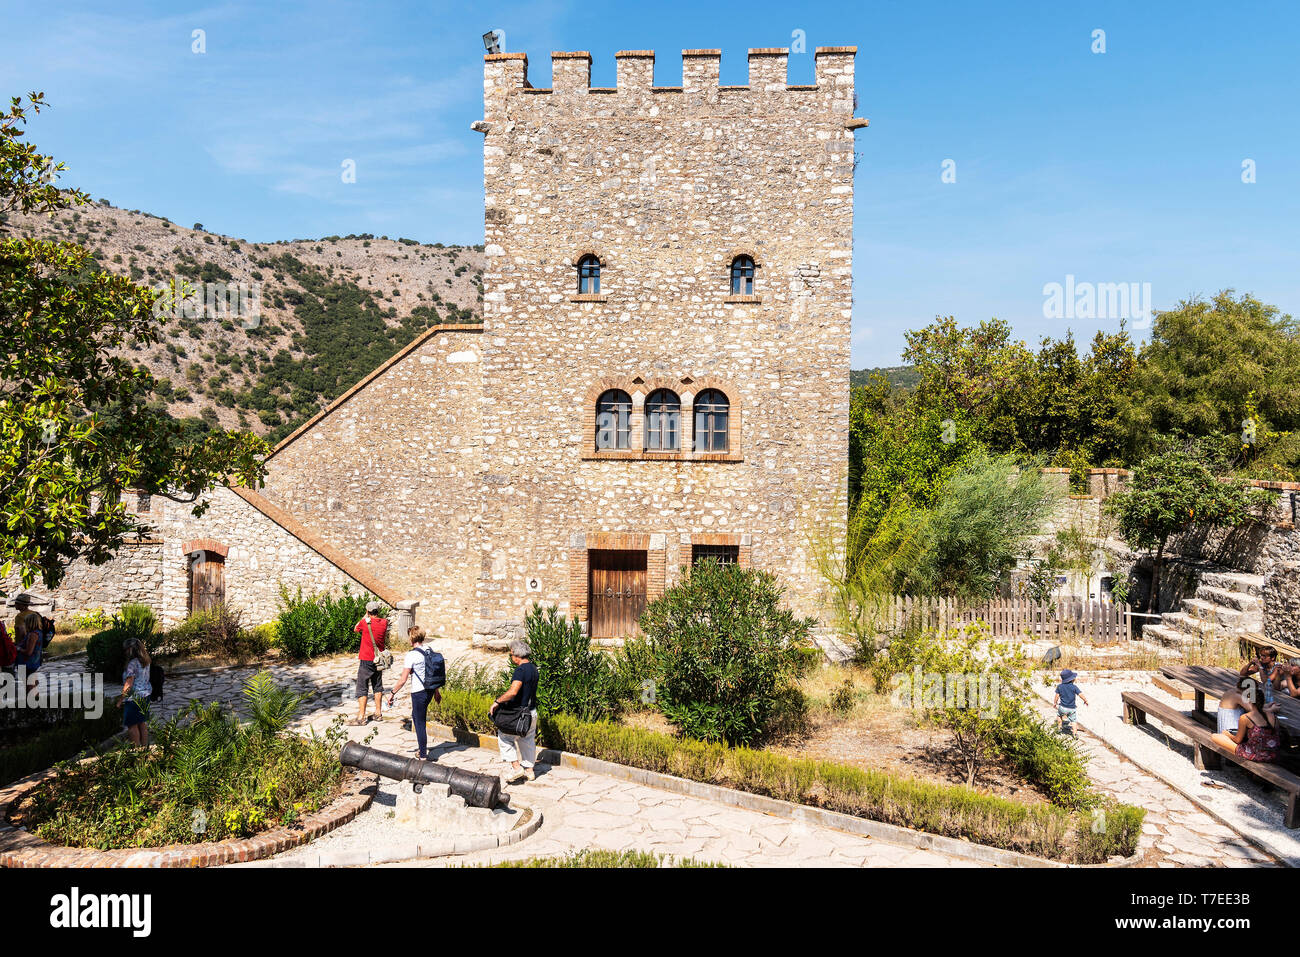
{"type": "Point", "coordinates": [1226, 603]}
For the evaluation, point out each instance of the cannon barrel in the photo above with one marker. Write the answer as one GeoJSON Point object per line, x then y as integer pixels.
{"type": "Point", "coordinates": [478, 790]}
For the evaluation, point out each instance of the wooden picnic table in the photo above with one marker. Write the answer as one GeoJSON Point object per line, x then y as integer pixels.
{"type": "Point", "coordinates": [1216, 682]}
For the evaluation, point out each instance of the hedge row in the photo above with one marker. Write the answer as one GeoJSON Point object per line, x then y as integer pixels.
{"type": "Point", "coordinates": [950, 810]}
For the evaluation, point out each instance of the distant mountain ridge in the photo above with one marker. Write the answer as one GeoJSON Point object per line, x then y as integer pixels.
{"type": "Point", "coordinates": [900, 377]}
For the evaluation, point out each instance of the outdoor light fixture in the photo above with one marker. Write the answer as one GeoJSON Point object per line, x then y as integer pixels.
{"type": "Point", "coordinates": [490, 42]}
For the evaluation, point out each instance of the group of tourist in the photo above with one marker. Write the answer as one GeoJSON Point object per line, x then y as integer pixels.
{"type": "Point", "coordinates": [25, 648]}
{"type": "Point", "coordinates": [514, 712]}
{"type": "Point", "coordinates": [32, 634]}
{"type": "Point", "coordinates": [1247, 718]}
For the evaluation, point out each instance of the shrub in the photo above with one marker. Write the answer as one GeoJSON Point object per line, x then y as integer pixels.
{"type": "Point", "coordinates": [1051, 761]}
{"type": "Point", "coordinates": [950, 810]}
{"type": "Point", "coordinates": [574, 679]}
{"type": "Point", "coordinates": [208, 778]}
{"type": "Point", "coordinates": [726, 652]}
{"type": "Point", "coordinates": [91, 619]}
{"type": "Point", "coordinates": [104, 654]}
{"type": "Point", "coordinates": [320, 624]}
{"type": "Point", "coordinates": [217, 631]}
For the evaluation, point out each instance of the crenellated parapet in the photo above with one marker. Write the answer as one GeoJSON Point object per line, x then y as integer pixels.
{"type": "Point", "coordinates": [506, 75]}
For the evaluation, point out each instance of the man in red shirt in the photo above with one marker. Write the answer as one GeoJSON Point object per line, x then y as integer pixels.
{"type": "Point", "coordinates": [370, 680]}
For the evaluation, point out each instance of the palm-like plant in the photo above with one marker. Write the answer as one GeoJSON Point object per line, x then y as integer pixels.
{"type": "Point", "coordinates": [271, 706]}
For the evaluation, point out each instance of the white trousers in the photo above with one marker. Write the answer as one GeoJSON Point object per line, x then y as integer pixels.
{"type": "Point", "coordinates": [520, 748]}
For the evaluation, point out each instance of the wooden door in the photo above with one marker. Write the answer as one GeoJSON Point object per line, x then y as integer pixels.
{"type": "Point", "coordinates": [617, 592]}
{"type": "Point", "coordinates": [207, 582]}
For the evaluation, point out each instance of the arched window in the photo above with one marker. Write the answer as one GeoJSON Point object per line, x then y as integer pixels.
{"type": "Point", "coordinates": [614, 420]}
{"type": "Point", "coordinates": [711, 410]}
{"type": "Point", "coordinates": [588, 276]}
{"type": "Point", "coordinates": [742, 276]}
{"type": "Point", "coordinates": [663, 421]}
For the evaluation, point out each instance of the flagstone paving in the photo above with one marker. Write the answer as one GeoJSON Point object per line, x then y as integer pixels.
{"type": "Point", "coordinates": [583, 810]}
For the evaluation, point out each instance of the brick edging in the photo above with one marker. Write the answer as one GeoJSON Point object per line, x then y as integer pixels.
{"type": "Point", "coordinates": [851, 824]}
{"type": "Point", "coordinates": [21, 848]}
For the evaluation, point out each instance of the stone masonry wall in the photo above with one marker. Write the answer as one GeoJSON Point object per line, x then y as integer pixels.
{"type": "Point", "coordinates": [134, 574]}
{"type": "Point", "coordinates": [261, 556]}
{"type": "Point", "coordinates": [388, 475]}
{"type": "Point", "coordinates": [665, 185]}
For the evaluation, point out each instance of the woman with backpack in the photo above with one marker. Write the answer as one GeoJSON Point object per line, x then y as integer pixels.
{"type": "Point", "coordinates": [136, 689]}
{"type": "Point", "coordinates": [427, 673]}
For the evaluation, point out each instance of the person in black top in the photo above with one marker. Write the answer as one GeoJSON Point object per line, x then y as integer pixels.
{"type": "Point", "coordinates": [519, 751]}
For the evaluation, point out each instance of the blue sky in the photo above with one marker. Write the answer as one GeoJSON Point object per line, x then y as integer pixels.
{"type": "Point", "coordinates": [1122, 166]}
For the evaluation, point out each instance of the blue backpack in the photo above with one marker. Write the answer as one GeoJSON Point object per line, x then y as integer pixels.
{"type": "Point", "coordinates": [435, 670]}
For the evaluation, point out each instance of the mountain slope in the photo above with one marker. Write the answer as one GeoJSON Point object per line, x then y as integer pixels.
{"type": "Point", "coordinates": [331, 310]}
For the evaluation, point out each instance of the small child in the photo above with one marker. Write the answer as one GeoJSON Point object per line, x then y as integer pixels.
{"type": "Point", "coordinates": [1066, 692]}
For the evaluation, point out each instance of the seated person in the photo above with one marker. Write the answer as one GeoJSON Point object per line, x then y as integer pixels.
{"type": "Point", "coordinates": [1270, 672]}
{"type": "Point", "coordinates": [1257, 737]}
{"type": "Point", "coordinates": [1290, 678]}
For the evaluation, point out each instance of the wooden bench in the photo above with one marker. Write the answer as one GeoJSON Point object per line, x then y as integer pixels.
{"type": "Point", "coordinates": [1206, 754]}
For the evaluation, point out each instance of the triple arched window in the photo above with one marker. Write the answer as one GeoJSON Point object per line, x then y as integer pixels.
{"type": "Point", "coordinates": [662, 421]}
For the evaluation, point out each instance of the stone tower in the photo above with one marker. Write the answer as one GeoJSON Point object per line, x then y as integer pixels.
{"type": "Point", "coordinates": [663, 188]}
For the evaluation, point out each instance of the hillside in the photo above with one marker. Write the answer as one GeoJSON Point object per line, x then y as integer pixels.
{"type": "Point", "coordinates": [900, 377]}
{"type": "Point", "coordinates": [332, 310]}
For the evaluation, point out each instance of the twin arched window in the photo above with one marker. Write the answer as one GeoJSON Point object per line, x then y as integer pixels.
{"type": "Point", "coordinates": [742, 276]}
{"type": "Point", "coordinates": [663, 421]}
{"type": "Point", "coordinates": [588, 276]}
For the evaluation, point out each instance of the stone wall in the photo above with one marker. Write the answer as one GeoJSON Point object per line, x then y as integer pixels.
{"type": "Point", "coordinates": [665, 186]}
{"type": "Point", "coordinates": [134, 574]}
{"type": "Point", "coordinates": [388, 475]}
{"type": "Point", "coordinates": [1282, 603]}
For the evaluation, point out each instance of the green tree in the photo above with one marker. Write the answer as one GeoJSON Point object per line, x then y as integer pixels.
{"type": "Point", "coordinates": [1211, 366]}
{"type": "Point", "coordinates": [1173, 489]}
{"type": "Point", "coordinates": [79, 422]}
{"type": "Point", "coordinates": [978, 530]}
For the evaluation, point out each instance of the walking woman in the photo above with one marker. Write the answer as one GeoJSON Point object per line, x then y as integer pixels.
{"type": "Point", "coordinates": [515, 715]}
{"type": "Point", "coordinates": [427, 673]}
{"type": "Point", "coordinates": [136, 689]}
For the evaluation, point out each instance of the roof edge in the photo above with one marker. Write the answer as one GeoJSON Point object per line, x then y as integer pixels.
{"type": "Point", "coordinates": [298, 530]}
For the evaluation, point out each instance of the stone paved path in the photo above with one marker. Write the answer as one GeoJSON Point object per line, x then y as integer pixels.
{"type": "Point", "coordinates": [583, 810]}
{"type": "Point", "coordinates": [1176, 833]}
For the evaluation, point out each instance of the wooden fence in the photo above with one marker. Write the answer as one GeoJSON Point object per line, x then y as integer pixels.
{"type": "Point", "coordinates": [1066, 619]}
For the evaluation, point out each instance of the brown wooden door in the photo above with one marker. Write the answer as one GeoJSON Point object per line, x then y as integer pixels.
{"type": "Point", "coordinates": [617, 592]}
{"type": "Point", "coordinates": [207, 582]}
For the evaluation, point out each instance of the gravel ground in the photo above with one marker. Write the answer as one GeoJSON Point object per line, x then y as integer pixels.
{"type": "Point", "coordinates": [1236, 797]}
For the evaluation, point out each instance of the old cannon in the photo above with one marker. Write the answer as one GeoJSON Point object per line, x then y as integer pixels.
{"type": "Point", "coordinates": [478, 790]}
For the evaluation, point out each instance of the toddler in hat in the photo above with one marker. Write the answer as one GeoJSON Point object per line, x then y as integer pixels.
{"type": "Point", "coordinates": [1066, 693]}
